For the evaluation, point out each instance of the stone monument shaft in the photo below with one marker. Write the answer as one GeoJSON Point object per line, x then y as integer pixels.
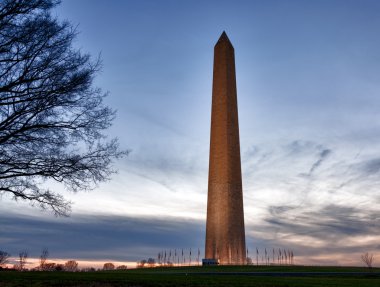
{"type": "Point", "coordinates": [225, 234]}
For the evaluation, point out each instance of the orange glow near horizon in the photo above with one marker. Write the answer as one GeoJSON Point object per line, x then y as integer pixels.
{"type": "Point", "coordinates": [336, 259]}
{"type": "Point", "coordinates": [97, 264]}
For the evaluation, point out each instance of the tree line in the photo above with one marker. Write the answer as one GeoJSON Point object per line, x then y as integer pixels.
{"type": "Point", "coordinates": [44, 265]}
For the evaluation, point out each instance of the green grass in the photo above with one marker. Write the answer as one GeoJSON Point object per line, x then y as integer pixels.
{"type": "Point", "coordinates": [189, 276]}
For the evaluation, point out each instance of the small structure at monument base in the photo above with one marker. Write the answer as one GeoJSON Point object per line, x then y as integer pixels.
{"type": "Point", "coordinates": [209, 261]}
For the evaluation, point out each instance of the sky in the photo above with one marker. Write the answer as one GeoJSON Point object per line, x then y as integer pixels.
{"type": "Point", "coordinates": [309, 113]}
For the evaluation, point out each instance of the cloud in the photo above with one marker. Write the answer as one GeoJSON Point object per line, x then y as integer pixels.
{"type": "Point", "coordinates": [99, 237]}
{"type": "Point", "coordinates": [322, 156]}
{"type": "Point", "coordinates": [305, 150]}
{"type": "Point", "coordinates": [330, 213]}
{"type": "Point", "coordinates": [325, 215]}
{"type": "Point", "coordinates": [333, 227]}
{"type": "Point", "coordinates": [297, 151]}
{"type": "Point", "coordinates": [371, 166]}
{"type": "Point", "coordinates": [278, 210]}
{"type": "Point", "coordinates": [301, 146]}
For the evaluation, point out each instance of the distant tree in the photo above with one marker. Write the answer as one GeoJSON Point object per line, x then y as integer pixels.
{"type": "Point", "coordinates": [52, 119]}
{"type": "Point", "coordinates": [151, 262]}
{"type": "Point", "coordinates": [59, 267]}
{"type": "Point", "coordinates": [249, 261]}
{"type": "Point", "coordinates": [141, 263]}
{"type": "Point", "coordinates": [4, 257]}
{"type": "Point", "coordinates": [368, 259]}
{"type": "Point", "coordinates": [23, 256]}
{"type": "Point", "coordinates": [43, 257]}
{"type": "Point", "coordinates": [71, 266]}
{"type": "Point", "coordinates": [51, 266]}
{"type": "Point", "coordinates": [108, 266]}
{"type": "Point", "coordinates": [122, 267]}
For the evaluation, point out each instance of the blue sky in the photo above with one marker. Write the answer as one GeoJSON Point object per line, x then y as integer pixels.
{"type": "Point", "coordinates": [309, 114]}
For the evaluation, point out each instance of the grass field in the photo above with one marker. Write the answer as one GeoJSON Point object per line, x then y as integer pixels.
{"type": "Point", "coordinates": [200, 276]}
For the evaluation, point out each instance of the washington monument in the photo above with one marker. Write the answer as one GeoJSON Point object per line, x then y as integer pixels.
{"type": "Point", "coordinates": [225, 235]}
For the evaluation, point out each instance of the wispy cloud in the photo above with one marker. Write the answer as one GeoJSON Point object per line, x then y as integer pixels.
{"type": "Point", "coordinates": [316, 199]}
{"type": "Point", "coordinates": [332, 234]}
{"type": "Point", "coordinates": [322, 156]}
{"type": "Point", "coordinates": [371, 166]}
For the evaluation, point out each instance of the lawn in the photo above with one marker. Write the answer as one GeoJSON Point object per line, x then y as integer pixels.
{"type": "Point", "coordinates": [200, 276]}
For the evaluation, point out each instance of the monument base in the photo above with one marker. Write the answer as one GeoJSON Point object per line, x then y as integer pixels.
{"type": "Point", "coordinates": [209, 261]}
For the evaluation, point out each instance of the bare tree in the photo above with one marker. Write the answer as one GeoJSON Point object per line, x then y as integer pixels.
{"type": "Point", "coordinates": [141, 264]}
{"type": "Point", "coordinates": [59, 267]}
{"type": "Point", "coordinates": [367, 259]}
{"type": "Point", "coordinates": [4, 258]}
{"type": "Point", "coordinates": [51, 266]}
{"type": "Point", "coordinates": [23, 256]}
{"type": "Point", "coordinates": [108, 266]}
{"type": "Point", "coordinates": [52, 119]}
{"type": "Point", "coordinates": [71, 266]}
{"type": "Point", "coordinates": [151, 262]}
{"type": "Point", "coordinates": [43, 257]}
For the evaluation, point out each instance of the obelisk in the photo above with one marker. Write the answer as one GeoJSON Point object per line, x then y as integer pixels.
{"type": "Point", "coordinates": [225, 234]}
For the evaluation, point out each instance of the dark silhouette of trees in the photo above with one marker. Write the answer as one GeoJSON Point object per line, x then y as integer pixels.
{"type": "Point", "coordinates": [43, 257]}
{"type": "Point", "coordinates": [141, 264]}
{"type": "Point", "coordinates": [50, 266]}
{"type": "Point", "coordinates": [71, 266]}
{"type": "Point", "coordinates": [108, 266]}
{"type": "Point", "coordinates": [368, 259]}
{"type": "Point", "coordinates": [52, 119]}
{"type": "Point", "coordinates": [23, 256]}
{"type": "Point", "coordinates": [59, 267]}
{"type": "Point", "coordinates": [47, 266]}
{"type": "Point", "coordinates": [122, 267]}
{"type": "Point", "coordinates": [151, 262]}
{"type": "Point", "coordinates": [4, 257]}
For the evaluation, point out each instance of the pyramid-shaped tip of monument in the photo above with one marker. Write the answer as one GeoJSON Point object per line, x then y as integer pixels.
{"type": "Point", "coordinates": [224, 39]}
